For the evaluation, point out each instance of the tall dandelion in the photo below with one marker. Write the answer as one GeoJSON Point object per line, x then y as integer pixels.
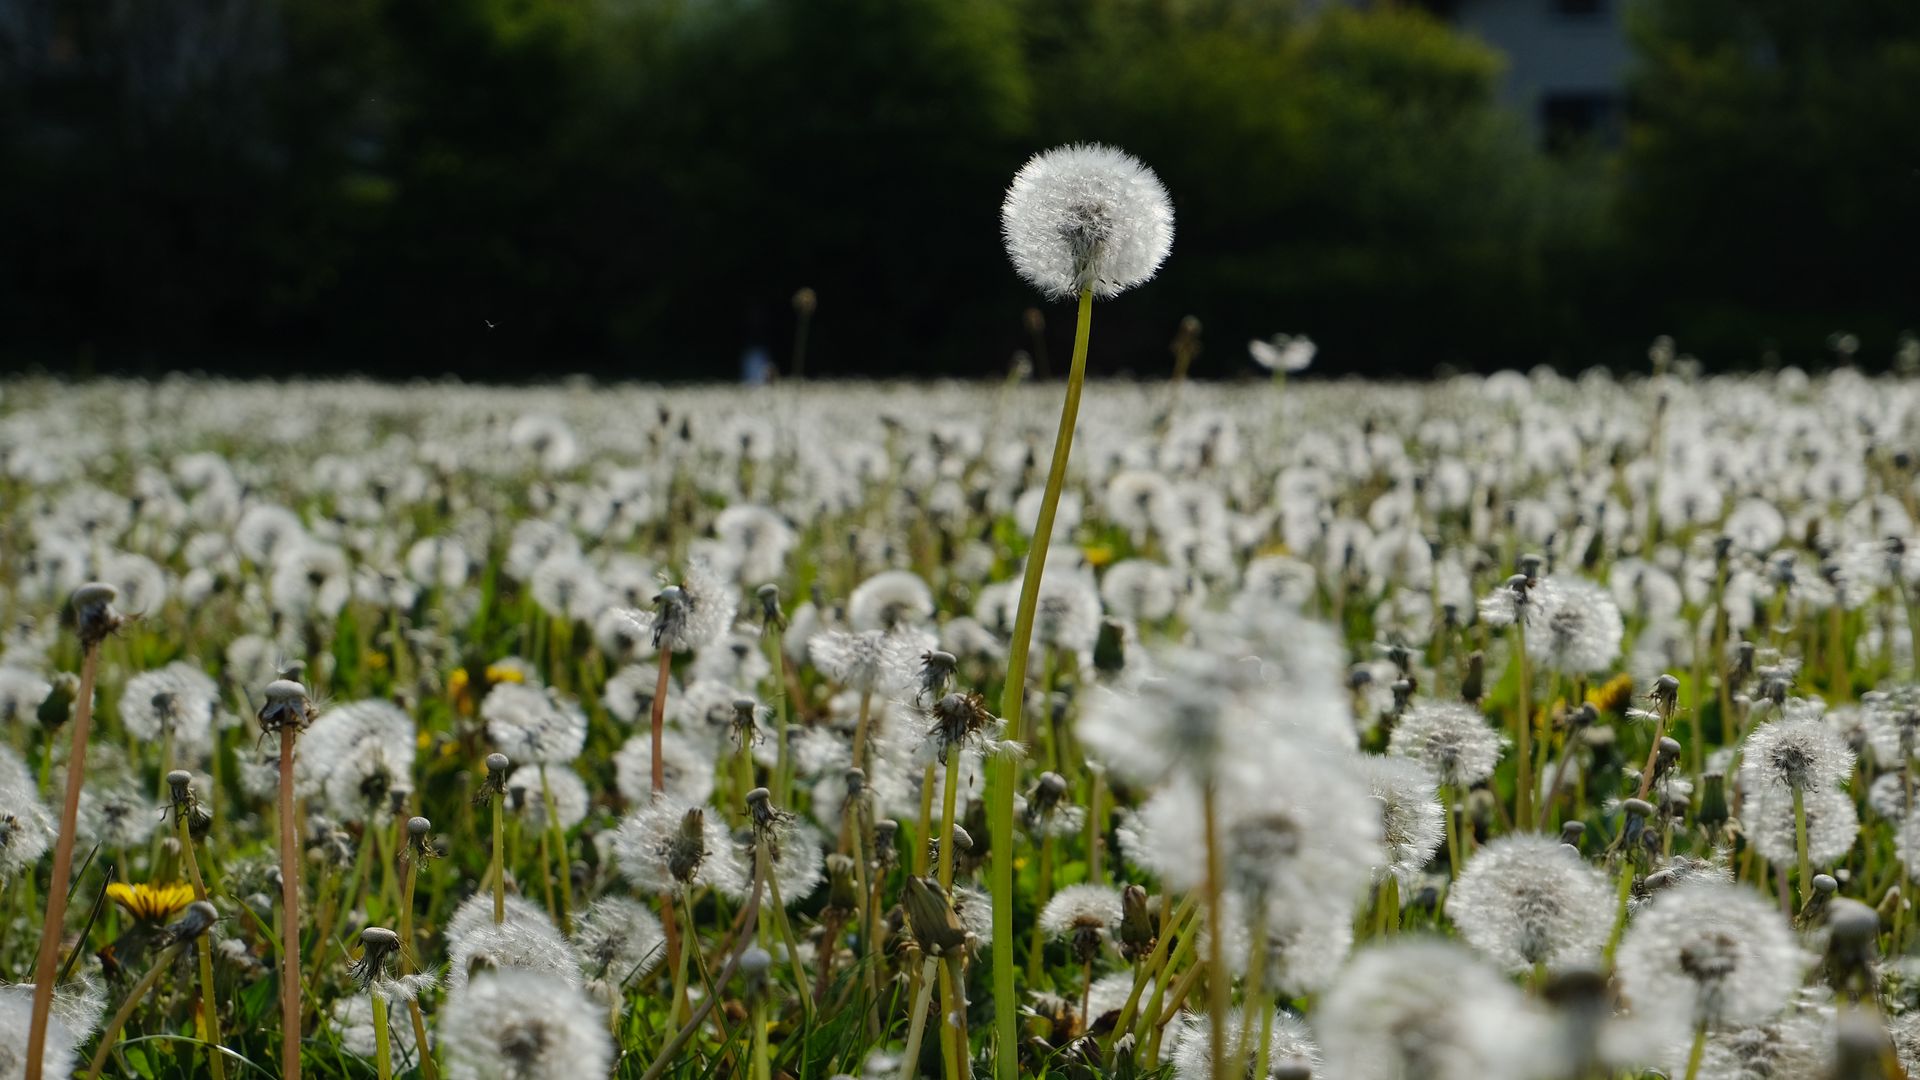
{"type": "Point", "coordinates": [1082, 221]}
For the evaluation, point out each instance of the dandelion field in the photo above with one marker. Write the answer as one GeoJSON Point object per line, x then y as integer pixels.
{"type": "Point", "coordinates": [1497, 727]}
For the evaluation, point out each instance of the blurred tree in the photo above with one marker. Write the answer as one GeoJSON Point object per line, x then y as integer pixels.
{"type": "Point", "coordinates": [1772, 172]}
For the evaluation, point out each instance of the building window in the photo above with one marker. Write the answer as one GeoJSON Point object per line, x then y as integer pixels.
{"type": "Point", "coordinates": [1569, 120]}
{"type": "Point", "coordinates": [1579, 9]}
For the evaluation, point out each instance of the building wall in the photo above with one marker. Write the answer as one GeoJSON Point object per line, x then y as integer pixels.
{"type": "Point", "coordinates": [1566, 60]}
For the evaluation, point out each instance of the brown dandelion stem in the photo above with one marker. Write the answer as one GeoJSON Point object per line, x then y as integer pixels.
{"type": "Point", "coordinates": [53, 924]}
{"type": "Point", "coordinates": [289, 914]}
{"type": "Point", "coordinates": [669, 1053]}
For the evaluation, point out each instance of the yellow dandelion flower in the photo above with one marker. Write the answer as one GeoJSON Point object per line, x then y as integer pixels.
{"type": "Point", "coordinates": [1613, 695]}
{"type": "Point", "coordinates": [1097, 555]}
{"type": "Point", "coordinates": [151, 903]}
{"type": "Point", "coordinates": [499, 673]}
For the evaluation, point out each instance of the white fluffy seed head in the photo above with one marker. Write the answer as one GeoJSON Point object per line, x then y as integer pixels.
{"type": "Point", "coordinates": [1718, 953]}
{"type": "Point", "coordinates": [1086, 217]}
{"type": "Point", "coordinates": [1526, 899]}
{"type": "Point", "coordinates": [514, 1024]}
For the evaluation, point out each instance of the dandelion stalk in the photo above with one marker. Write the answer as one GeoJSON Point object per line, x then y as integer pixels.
{"type": "Point", "coordinates": [110, 1035]}
{"type": "Point", "coordinates": [1013, 705]}
{"type": "Point", "coordinates": [1697, 1052]}
{"type": "Point", "coordinates": [382, 1053]}
{"type": "Point", "coordinates": [917, 1026]}
{"type": "Point", "coordinates": [96, 619]}
{"type": "Point", "coordinates": [1805, 868]}
{"type": "Point", "coordinates": [495, 793]}
{"type": "Point", "coordinates": [290, 867]}
{"type": "Point", "coordinates": [182, 795]}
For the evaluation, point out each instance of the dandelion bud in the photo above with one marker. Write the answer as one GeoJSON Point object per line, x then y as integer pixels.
{"type": "Point", "coordinates": [843, 892]}
{"type": "Point", "coordinates": [199, 822]}
{"type": "Point", "coordinates": [884, 832]}
{"type": "Point", "coordinates": [929, 911]}
{"type": "Point", "coordinates": [1529, 565]}
{"type": "Point", "coordinates": [1086, 218]}
{"type": "Point", "coordinates": [57, 708]}
{"type": "Point", "coordinates": [1713, 799]}
{"type": "Point", "coordinates": [856, 780]}
{"type": "Point", "coordinates": [1481, 806]}
{"type": "Point", "coordinates": [805, 300]}
{"type": "Point", "coordinates": [93, 614]}
{"type": "Point", "coordinates": [418, 830]}
{"type": "Point", "coordinates": [1571, 832]}
{"type": "Point", "coordinates": [1290, 1069]}
{"type": "Point", "coordinates": [688, 848]}
{"type": "Point", "coordinates": [1137, 936]}
{"type": "Point", "coordinates": [1669, 753]}
{"type": "Point", "coordinates": [1473, 685]}
{"type": "Point", "coordinates": [180, 788]}
{"type": "Point", "coordinates": [962, 839]}
{"type": "Point", "coordinates": [1853, 936]}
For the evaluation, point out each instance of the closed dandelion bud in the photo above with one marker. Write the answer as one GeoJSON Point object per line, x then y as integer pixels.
{"type": "Point", "coordinates": [843, 892]}
{"type": "Point", "coordinates": [1529, 565]}
{"type": "Point", "coordinates": [1890, 904]}
{"type": "Point", "coordinates": [935, 926]}
{"type": "Point", "coordinates": [884, 832]}
{"type": "Point", "coordinates": [57, 707]}
{"type": "Point", "coordinates": [1402, 694]}
{"type": "Point", "coordinates": [199, 822]}
{"type": "Point", "coordinates": [1137, 934]}
{"type": "Point", "coordinates": [94, 617]}
{"type": "Point", "coordinates": [1571, 833]}
{"type": "Point", "coordinates": [1712, 799]}
{"type": "Point", "coordinates": [1669, 753]}
{"type": "Point", "coordinates": [805, 300]}
{"type": "Point", "coordinates": [1473, 685]}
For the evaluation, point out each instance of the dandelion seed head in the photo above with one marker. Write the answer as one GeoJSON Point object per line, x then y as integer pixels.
{"type": "Point", "coordinates": [1719, 954]}
{"type": "Point", "coordinates": [1086, 217]}
{"type": "Point", "coordinates": [1526, 899]}
{"type": "Point", "coordinates": [523, 1025]}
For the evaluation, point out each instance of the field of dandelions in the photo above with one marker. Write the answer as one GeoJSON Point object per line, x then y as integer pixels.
{"type": "Point", "coordinates": [1496, 728]}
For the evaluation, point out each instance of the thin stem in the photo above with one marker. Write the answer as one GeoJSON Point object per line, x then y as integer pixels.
{"type": "Point", "coordinates": [110, 1035]}
{"type": "Point", "coordinates": [382, 1053]}
{"type": "Point", "coordinates": [669, 1053]}
{"type": "Point", "coordinates": [659, 718]}
{"type": "Point", "coordinates": [1523, 786]}
{"type": "Point", "coordinates": [499, 868]}
{"type": "Point", "coordinates": [54, 921]}
{"type": "Point", "coordinates": [290, 867]}
{"type": "Point", "coordinates": [917, 1026]}
{"type": "Point", "coordinates": [1218, 983]}
{"type": "Point", "coordinates": [1800, 844]}
{"type": "Point", "coordinates": [786, 929]}
{"type": "Point", "coordinates": [209, 1018]}
{"type": "Point", "coordinates": [1013, 703]}
{"type": "Point", "coordinates": [1698, 1052]}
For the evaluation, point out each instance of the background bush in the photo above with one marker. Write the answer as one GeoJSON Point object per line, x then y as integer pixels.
{"type": "Point", "coordinates": [507, 188]}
